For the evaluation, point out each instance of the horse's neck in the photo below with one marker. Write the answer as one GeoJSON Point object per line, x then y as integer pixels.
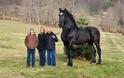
{"type": "Point", "coordinates": [68, 31]}
{"type": "Point", "coordinates": [70, 26]}
{"type": "Point", "coordinates": [71, 23]}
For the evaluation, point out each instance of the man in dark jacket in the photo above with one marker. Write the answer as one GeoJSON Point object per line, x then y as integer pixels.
{"type": "Point", "coordinates": [42, 47]}
{"type": "Point", "coordinates": [51, 53]}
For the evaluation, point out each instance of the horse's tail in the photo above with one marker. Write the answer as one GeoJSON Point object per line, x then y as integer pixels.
{"type": "Point", "coordinates": [96, 34]}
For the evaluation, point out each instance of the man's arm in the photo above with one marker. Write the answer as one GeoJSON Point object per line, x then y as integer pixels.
{"type": "Point", "coordinates": [55, 37]}
{"type": "Point", "coordinates": [26, 41]}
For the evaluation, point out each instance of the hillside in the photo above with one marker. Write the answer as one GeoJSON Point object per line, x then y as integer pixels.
{"type": "Point", "coordinates": [46, 11]}
{"type": "Point", "coordinates": [13, 56]}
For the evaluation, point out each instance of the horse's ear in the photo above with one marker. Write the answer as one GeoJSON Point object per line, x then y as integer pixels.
{"type": "Point", "coordinates": [60, 9]}
{"type": "Point", "coordinates": [71, 10]}
{"type": "Point", "coordinates": [65, 9]}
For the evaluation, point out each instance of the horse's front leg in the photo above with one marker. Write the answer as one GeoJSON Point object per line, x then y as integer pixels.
{"type": "Point", "coordinates": [69, 53]}
{"type": "Point", "coordinates": [66, 46]}
{"type": "Point", "coordinates": [70, 62]}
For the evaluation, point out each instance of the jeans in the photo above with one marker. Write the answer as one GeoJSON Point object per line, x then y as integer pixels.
{"type": "Point", "coordinates": [42, 57]}
{"type": "Point", "coordinates": [51, 57]}
{"type": "Point", "coordinates": [30, 53]}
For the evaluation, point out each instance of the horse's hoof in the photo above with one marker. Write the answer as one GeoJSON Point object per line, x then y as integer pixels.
{"type": "Point", "coordinates": [98, 63]}
{"type": "Point", "coordinates": [92, 62]}
{"type": "Point", "coordinates": [70, 65]}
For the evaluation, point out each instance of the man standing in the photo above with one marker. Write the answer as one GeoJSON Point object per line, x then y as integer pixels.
{"type": "Point", "coordinates": [51, 52]}
{"type": "Point", "coordinates": [42, 47]}
{"type": "Point", "coordinates": [31, 42]}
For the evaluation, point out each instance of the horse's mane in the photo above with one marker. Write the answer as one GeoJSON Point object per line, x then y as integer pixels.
{"type": "Point", "coordinates": [70, 16]}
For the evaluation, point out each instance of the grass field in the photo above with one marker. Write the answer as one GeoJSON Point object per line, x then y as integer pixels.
{"type": "Point", "coordinates": [13, 57]}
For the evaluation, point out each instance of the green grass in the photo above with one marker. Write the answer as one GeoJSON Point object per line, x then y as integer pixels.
{"type": "Point", "coordinates": [13, 56]}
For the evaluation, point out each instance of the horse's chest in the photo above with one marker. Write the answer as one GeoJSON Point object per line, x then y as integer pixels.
{"type": "Point", "coordinates": [64, 37]}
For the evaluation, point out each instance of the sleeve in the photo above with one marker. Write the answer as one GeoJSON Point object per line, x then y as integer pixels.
{"type": "Point", "coordinates": [39, 36]}
{"type": "Point", "coordinates": [37, 40]}
{"type": "Point", "coordinates": [56, 39]}
{"type": "Point", "coordinates": [26, 41]}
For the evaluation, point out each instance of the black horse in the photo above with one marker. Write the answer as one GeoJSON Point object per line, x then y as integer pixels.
{"type": "Point", "coordinates": [73, 35]}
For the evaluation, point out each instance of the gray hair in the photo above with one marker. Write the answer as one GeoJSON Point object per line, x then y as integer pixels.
{"type": "Point", "coordinates": [31, 29]}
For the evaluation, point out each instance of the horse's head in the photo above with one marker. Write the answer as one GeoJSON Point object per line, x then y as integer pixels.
{"type": "Point", "coordinates": [66, 19]}
{"type": "Point", "coordinates": [62, 17]}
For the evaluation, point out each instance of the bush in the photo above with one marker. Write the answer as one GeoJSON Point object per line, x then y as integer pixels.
{"type": "Point", "coordinates": [82, 22]}
{"type": "Point", "coordinates": [108, 3]}
{"type": "Point", "coordinates": [80, 52]}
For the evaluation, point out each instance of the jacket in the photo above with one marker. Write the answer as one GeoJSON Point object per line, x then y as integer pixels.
{"type": "Point", "coordinates": [51, 39]}
{"type": "Point", "coordinates": [42, 41]}
{"type": "Point", "coordinates": [31, 41]}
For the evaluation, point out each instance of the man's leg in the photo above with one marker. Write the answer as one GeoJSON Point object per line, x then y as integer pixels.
{"type": "Point", "coordinates": [49, 57]}
{"type": "Point", "coordinates": [28, 57]}
{"type": "Point", "coordinates": [33, 57]}
{"type": "Point", "coordinates": [42, 57]}
{"type": "Point", "coordinates": [53, 57]}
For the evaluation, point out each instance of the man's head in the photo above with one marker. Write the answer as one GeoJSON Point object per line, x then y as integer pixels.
{"type": "Point", "coordinates": [49, 30]}
{"type": "Point", "coordinates": [42, 30]}
{"type": "Point", "coordinates": [32, 31]}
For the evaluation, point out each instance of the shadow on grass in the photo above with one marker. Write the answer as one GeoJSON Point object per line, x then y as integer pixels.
{"type": "Point", "coordinates": [61, 57]}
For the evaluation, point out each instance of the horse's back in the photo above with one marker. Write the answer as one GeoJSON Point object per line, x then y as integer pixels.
{"type": "Point", "coordinates": [92, 28]}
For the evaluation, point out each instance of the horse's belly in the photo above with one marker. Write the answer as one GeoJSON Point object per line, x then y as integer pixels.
{"type": "Point", "coordinates": [82, 39]}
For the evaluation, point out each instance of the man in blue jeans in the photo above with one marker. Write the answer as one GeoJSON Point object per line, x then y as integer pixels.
{"type": "Point", "coordinates": [30, 53]}
{"type": "Point", "coordinates": [42, 47]}
{"type": "Point", "coordinates": [51, 54]}
{"type": "Point", "coordinates": [31, 42]}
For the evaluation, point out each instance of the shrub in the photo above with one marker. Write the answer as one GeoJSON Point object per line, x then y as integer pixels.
{"type": "Point", "coordinates": [80, 52]}
{"type": "Point", "coordinates": [108, 3]}
{"type": "Point", "coordinates": [82, 22]}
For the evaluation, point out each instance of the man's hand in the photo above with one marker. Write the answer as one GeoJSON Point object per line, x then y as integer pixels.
{"type": "Point", "coordinates": [53, 36]}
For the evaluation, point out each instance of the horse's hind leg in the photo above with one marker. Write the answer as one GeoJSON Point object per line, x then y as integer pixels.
{"type": "Point", "coordinates": [99, 52]}
{"type": "Point", "coordinates": [93, 53]}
